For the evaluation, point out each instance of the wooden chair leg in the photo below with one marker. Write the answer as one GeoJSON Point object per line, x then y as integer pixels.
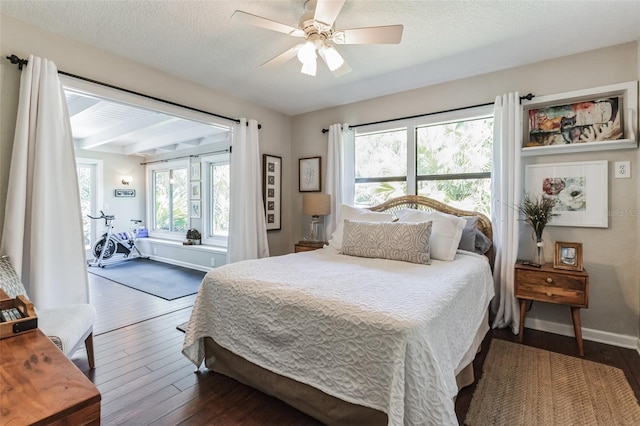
{"type": "Point", "coordinates": [88, 343]}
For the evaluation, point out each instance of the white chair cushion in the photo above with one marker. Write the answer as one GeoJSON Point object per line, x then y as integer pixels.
{"type": "Point", "coordinates": [67, 326]}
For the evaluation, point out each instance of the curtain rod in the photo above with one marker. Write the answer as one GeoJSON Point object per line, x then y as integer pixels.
{"type": "Point", "coordinates": [528, 97]}
{"type": "Point", "coordinates": [186, 156]}
{"type": "Point", "coordinates": [22, 62]}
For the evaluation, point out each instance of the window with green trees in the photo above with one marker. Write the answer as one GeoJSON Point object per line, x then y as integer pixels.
{"type": "Point", "coordinates": [448, 159]}
{"type": "Point", "coordinates": [170, 203]}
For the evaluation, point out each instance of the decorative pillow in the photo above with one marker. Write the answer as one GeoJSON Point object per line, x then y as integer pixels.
{"type": "Point", "coordinates": [445, 234]}
{"type": "Point", "coordinates": [468, 239]}
{"type": "Point", "coordinates": [483, 243]}
{"type": "Point", "coordinates": [354, 213]}
{"type": "Point", "coordinates": [408, 242]}
{"type": "Point", "coordinates": [9, 281]}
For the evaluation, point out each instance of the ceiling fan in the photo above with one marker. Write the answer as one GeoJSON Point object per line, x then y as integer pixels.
{"type": "Point", "coordinates": [316, 27]}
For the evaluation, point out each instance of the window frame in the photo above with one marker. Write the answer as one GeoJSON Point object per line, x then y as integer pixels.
{"type": "Point", "coordinates": [206, 162]}
{"type": "Point", "coordinates": [411, 125]}
{"type": "Point", "coordinates": [163, 166]}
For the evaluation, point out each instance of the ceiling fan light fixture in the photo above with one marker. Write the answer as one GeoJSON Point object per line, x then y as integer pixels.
{"type": "Point", "coordinates": [309, 68]}
{"type": "Point", "coordinates": [331, 56]}
{"type": "Point", "coordinates": [307, 52]}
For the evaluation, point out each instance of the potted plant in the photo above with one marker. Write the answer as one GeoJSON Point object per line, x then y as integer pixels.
{"type": "Point", "coordinates": [193, 236]}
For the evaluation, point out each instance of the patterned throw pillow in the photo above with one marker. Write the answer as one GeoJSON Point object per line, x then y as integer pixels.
{"type": "Point", "coordinates": [446, 233]}
{"type": "Point", "coordinates": [9, 281]}
{"type": "Point", "coordinates": [408, 242]}
{"type": "Point", "coordinates": [354, 213]}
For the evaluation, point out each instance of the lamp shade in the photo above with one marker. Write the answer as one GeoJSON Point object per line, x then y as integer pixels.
{"type": "Point", "coordinates": [316, 204]}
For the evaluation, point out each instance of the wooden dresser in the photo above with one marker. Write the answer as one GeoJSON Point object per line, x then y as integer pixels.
{"type": "Point", "coordinates": [39, 385]}
{"type": "Point", "coordinates": [547, 284]}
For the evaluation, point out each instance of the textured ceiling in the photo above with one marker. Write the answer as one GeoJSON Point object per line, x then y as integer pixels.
{"type": "Point", "coordinates": [443, 40]}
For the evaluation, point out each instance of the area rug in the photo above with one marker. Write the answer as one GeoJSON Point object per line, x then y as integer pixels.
{"type": "Point", "coordinates": [521, 385]}
{"type": "Point", "coordinates": [157, 278]}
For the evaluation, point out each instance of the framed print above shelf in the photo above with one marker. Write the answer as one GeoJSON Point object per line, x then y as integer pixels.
{"type": "Point", "coordinates": [596, 119]}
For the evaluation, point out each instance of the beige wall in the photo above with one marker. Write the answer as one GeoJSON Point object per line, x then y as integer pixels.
{"type": "Point", "coordinates": [610, 255]}
{"type": "Point", "coordinates": [78, 58]}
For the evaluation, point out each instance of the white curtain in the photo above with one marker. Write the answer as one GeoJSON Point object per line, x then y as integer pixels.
{"type": "Point", "coordinates": [505, 193]}
{"type": "Point", "coordinates": [340, 179]}
{"type": "Point", "coordinates": [247, 226]}
{"type": "Point", "coordinates": [42, 230]}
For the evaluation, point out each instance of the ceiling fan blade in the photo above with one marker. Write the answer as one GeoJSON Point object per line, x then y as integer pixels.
{"type": "Point", "coordinates": [327, 11]}
{"type": "Point", "coordinates": [282, 58]}
{"type": "Point", "coordinates": [259, 21]}
{"type": "Point", "coordinates": [391, 34]}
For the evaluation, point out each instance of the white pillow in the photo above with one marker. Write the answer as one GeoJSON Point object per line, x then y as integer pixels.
{"type": "Point", "coordinates": [354, 213]}
{"type": "Point", "coordinates": [445, 233]}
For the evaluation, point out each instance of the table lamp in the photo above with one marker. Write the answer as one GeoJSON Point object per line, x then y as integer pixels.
{"type": "Point", "coordinates": [316, 204]}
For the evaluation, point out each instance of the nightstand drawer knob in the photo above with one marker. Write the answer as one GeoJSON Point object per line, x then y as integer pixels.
{"type": "Point", "coordinates": [549, 280]}
{"type": "Point", "coordinates": [549, 294]}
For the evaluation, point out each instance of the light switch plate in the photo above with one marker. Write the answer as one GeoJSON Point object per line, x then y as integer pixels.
{"type": "Point", "coordinates": [622, 169]}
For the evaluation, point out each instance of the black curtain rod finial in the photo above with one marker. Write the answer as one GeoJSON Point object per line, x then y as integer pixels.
{"type": "Point", "coordinates": [19, 61]}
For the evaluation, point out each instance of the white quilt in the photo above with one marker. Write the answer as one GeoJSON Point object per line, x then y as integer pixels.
{"type": "Point", "coordinates": [380, 333]}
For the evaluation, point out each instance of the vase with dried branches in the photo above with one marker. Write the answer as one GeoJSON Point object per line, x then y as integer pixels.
{"type": "Point", "coordinates": [537, 212]}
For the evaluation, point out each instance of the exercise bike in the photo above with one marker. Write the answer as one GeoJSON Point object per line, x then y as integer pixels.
{"type": "Point", "coordinates": [112, 243]}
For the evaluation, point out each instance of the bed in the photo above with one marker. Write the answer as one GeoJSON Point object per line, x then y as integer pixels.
{"type": "Point", "coordinates": [354, 338]}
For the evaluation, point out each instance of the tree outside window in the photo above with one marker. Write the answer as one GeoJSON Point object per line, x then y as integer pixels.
{"type": "Point", "coordinates": [449, 162]}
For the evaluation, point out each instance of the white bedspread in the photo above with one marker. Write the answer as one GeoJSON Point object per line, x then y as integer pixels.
{"type": "Point", "coordinates": [380, 333]}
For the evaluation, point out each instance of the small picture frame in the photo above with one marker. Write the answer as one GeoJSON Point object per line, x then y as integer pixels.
{"type": "Point", "coordinates": [195, 190]}
{"type": "Point", "coordinates": [568, 256]}
{"type": "Point", "coordinates": [195, 209]}
{"type": "Point", "coordinates": [309, 174]}
{"type": "Point", "coordinates": [125, 192]}
{"type": "Point", "coordinates": [195, 171]}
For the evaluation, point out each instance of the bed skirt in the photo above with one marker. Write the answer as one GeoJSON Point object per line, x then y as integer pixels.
{"type": "Point", "coordinates": [317, 404]}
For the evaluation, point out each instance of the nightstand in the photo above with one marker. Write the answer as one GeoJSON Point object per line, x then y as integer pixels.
{"type": "Point", "coordinates": [546, 284]}
{"type": "Point", "coordinates": [308, 246]}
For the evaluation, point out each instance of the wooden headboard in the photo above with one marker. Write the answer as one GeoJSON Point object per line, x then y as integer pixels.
{"type": "Point", "coordinates": [428, 204]}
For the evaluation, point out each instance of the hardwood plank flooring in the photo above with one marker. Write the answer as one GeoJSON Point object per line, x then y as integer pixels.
{"type": "Point", "coordinates": [145, 380]}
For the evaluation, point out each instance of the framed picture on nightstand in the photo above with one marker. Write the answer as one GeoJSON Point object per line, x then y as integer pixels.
{"type": "Point", "coordinates": [568, 256]}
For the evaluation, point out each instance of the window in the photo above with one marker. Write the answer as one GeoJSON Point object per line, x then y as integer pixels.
{"type": "Point", "coordinates": [169, 213]}
{"type": "Point", "coordinates": [446, 157]}
{"type": "Point", "coordinates": [381, 166]}
{"type": "Point", "coordinates": [216, 199]}
{"type": "Point", "coordinates": [89, 184]}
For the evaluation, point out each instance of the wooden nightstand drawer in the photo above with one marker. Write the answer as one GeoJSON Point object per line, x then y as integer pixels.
{"type": "Point", "coordinates": [308, 246]}
{"type": "Point", "coordinates": [552, 287]}
{"type": "Point", "coordinates": [546, 284]}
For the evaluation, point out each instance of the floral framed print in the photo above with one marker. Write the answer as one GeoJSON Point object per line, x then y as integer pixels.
{"type": "Point", "coordinates": [309, 174]}
{"type": "Point", "coordinates": [272, 190]}
{"type": "Point", "coordinates": [579, 190]}
{"type": "Point", "coordinates": [568, 256]}
{"type": "Point", "coordinates": [596, 119]}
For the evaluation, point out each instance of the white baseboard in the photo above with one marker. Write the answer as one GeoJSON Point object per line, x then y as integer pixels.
{"type": "Point", "coordinates": [621, 340]}
{"type": "Point", "coordinates": [179, 263]}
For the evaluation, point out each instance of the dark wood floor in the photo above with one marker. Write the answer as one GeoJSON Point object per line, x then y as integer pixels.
{"type": "Point", "coordinates": [144, 379]}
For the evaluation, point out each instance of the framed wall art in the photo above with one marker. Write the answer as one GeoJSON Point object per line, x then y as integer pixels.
{"type": "Point", "coordinates": [580, 191]}
{"type": "Point", "coordinates": [595, 119]}
{"type": "Point", "coordinates": [272, 190]}
{"type": "Point", "coordinates": [309, 174]}
{"type": "Point", "coordinates": [568, 256]}
{"type": "Point", "coordinates": [195, 209]}
{"type": "Point", "coordinates": [195, 190]}
{"type": "Point", "coordinates": [195, 171]}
